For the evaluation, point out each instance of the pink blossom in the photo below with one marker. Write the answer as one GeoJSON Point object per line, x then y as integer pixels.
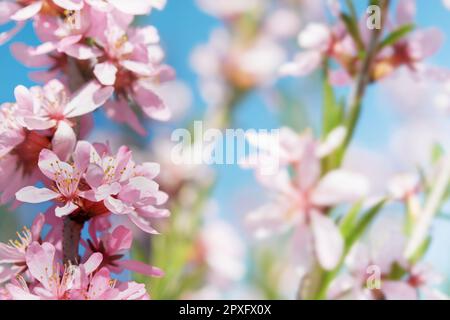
{"type": "Point", "coordinates": [126, 188]}
{"type": "Point", "coordinates": [19, 152]}
{"type": "Point", "coordinates": [13, 254]}
{"type": "Point", "coordinates": [21, 11]}
{"type": "Point", "coordinates": [65, 177]}
{"type": "Point", "coordinates": [377, 258]}
{"type": "Point", "coordinates": [109, 184]}
{"type": "Point", "coordinates": [114, 246]}
{"type": "Point", "coordinates": [132, 7]}
{"type": "Point", "coordinates": [301, 199]}
{"type": "Point", "coordinates": [53, 282]}
{"type": "Point", "coordinates": [51, 108]}
{"type": "Point", "coordinates": [101, 287]}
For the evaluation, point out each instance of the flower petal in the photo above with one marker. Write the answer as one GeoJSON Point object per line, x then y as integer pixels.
{"type": "Point", "coordinates": [340, 186]}
{"type": "Point", "coordinates": [64, 140]}
{"type": "Point", "coordinates": [87, 99]}
{"type": "Point", "coordinates": [27, 12]}
{"type": "Point", "coordinates": [68, 208]}
{"type": "Point", "coordinates": [328, 241]}
{"type": "Point", "coordinates": [35, 195]}
{"type": "Point", "coordinates": [140, 267]}
{"type": "Point", "coordinates": [106, 73]}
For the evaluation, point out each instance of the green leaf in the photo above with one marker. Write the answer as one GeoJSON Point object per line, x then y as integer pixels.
{"type": "Point", "coordinates": [353, 29]}
{"type": "Point", "coordinates": [421, 250]}
{"type": "Point", "coordinates": [362, 224]}
{"type": "Point", "coordinates": [437, 152]}
{"type": "Point", "coordinates": [396, 35]}
{"type": "Point", "coordinates": [397, 272]}
{"type": "Point", "coordinates": [348, 222]}
{"type": "Point", "coordinates": [332, 110]}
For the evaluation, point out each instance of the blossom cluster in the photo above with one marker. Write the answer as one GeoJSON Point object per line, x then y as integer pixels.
{"type": "Point", "coordinates": [93, 58]}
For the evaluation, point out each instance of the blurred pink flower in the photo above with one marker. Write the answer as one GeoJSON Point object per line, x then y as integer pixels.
{"type": "Point", "coordinates": [13, 254]}
{"type": "Point", "coordinates": [113, 246]}
{"type": "Point", "coordinates": [377, 258]}
{"type": "Point", "coordinates": [301, 196]}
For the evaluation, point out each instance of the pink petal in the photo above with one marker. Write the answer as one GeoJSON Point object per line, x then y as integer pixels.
{"type": "Point", "coordinates": [99, 285]}
{"type": "Point", "coordinates": [82, 155]}
{"type": "Point", "coordinates": [18, 293]}
{"type": "Point", "coordinates": [23, 97]}
{"type": "Point", "coordinates": [398, 290]}
{"type": "Point", "coordinates": [94, 175]}
{"type": "Point", "coordinates": [47, 161]}
{"type": "Point", "coordinates": [151, 104]}
{"type": "Point", "coordinates": [133, 7]}
{"type": "Point", "coordinates": [121, 112]}
{"type": "Point", "coordinates": [141, 268]}
{"type": "Point", "coordinates": [142, 224]}
{"type": "Point", "coordinates": [87, 99]}
{"type": "Point", "coordinates": [75, 5]}
{"type": "Point", "coordinates": [339, 77]}
{"type": "Point", "coordinates": [37, 226]}
{"type": "Point", "coordinates": [114, 205]}
{"type": "Point", "coordinates": [7, 9]}
{"type": "Point", "coordinates": [81, 51]}
{"type": "Point", "coordinates": [33, 123]}
{"type": "Point", "coordinates": [9, 254]}
{"type": "Point", "coordinates": [64, 141]}
{"type": "Point", "coordinates": [339, 187]}
{"type": "Point", "coordinates": [106, 73]}
{"type": "Point", "coordinates": [425, 43]}
{"type": "Point", "coordinates": [27, 12]}
{"type": "Point", "coordinates": [305, 63]}
{"type": "Point", "coordinates": [121, 239]}
{"type": "Point", "coordinates": [328, 241]}
{"type": "Point", "coordinates": [406, 11]}
{"type": "Point", "coordinates": [68, 208]}
{"type": "Point", "coordinates": [142, 69]}
{"type": "Point", "coordinates": [93, 262]}
{"type": "Point", "coordinates": [40, 259]}
{"type": "Point", "coordinates": [24, 54]}
{"type": "Point", "coordinates": [35, 195]}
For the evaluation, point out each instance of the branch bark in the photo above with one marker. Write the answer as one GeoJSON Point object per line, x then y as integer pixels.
{"type": "Point", "coordinates": [71, 240]}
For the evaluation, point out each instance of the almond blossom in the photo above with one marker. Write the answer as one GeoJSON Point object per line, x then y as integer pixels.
{"type": "Point", "coordinates": [14, 253]}
{"type": "Point", "coordinates": [98, 183]}
{"type": "Point", "coordinates": [20, 11]}
{"type": "Point", "coordinates": [383, 253]}
{"type": "Point", "coordinates": [321, 41]}
{"type": "Point", "coordinates": [301, 198]}
{"type": "Point", "coordinates": [114, 246]}
{"type": "Point", "coordinates": [54, 282]}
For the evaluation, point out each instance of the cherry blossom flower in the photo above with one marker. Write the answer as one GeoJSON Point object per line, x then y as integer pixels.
{"type": "Point", "coordinates": [54, 282]}
{"type": "Point", "coordinates": [98, 183]}
{"type": "Point", "coordinates": [320, 41]}
{"type": "Point", "coordinates": [101, 287]}
{"type": "Point", "coordinates": [301, 199]}
{"type": "Point", "coordinates": [20, 11]}
{"type": "Point", "coordinates": [50, 108]}
{"type": "Point", "coordinates": [114, 246]}
{"type": "Point", "coordinates": [14, 253]}
{"type": "Point", "coordinates": [383, 252]}
{"type": "Point", "coordinates": [66, 179]}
